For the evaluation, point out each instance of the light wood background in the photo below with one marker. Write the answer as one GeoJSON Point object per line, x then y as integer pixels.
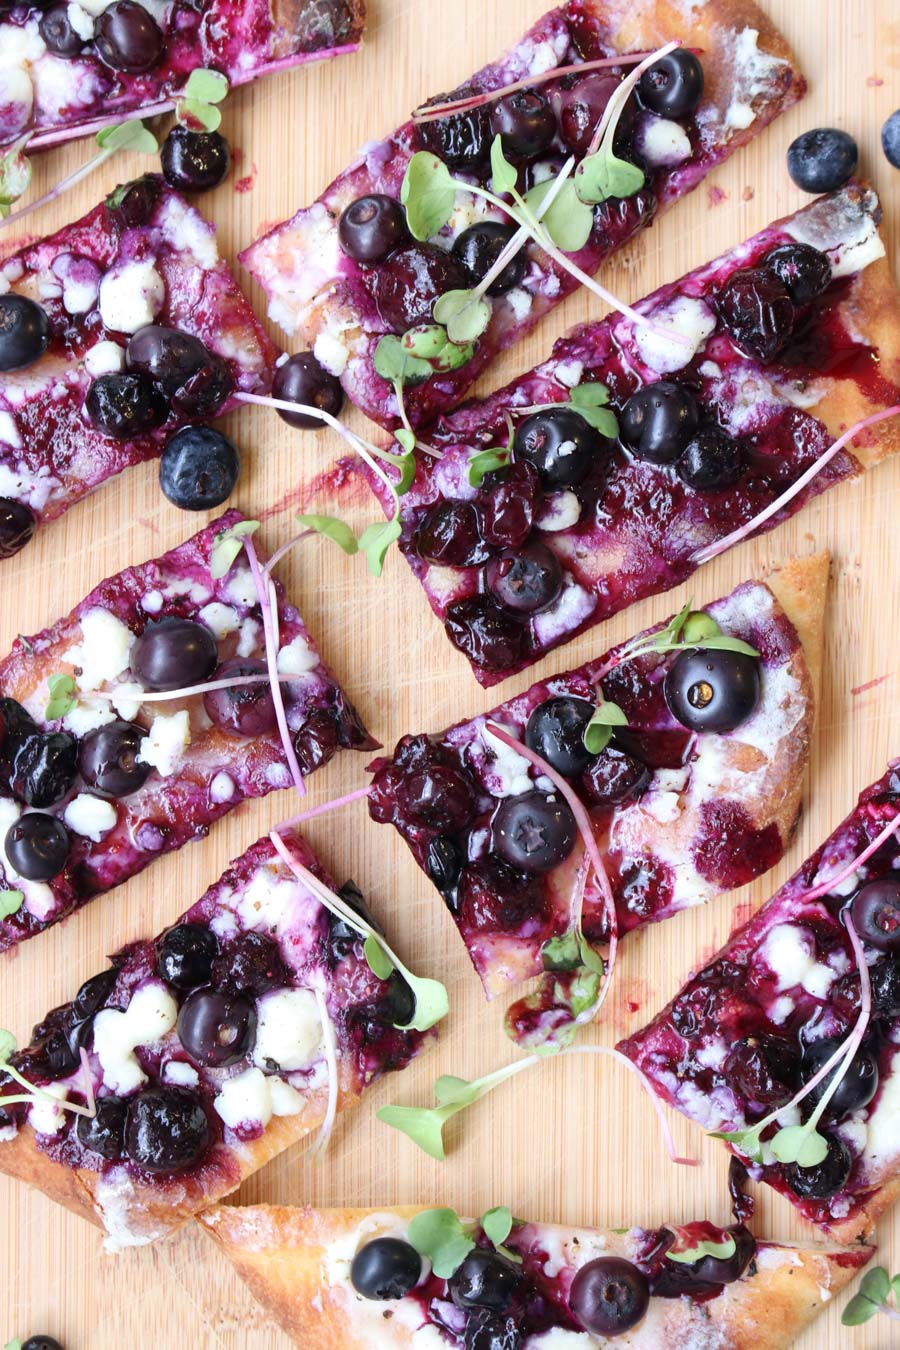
{"type": "Point", "coordinates": [573, 1141]}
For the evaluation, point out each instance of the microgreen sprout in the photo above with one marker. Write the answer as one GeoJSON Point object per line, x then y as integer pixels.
{"type": "Point", "coordinates": [719, 1251]}
{"type": "Point", "coordinates": [442, 1237]}
{"type": "Point", "coordinates": [31, 1093]}
{"type": "Point", "coordinates": [227, 546]}
{"type": "Point", "coordinates": [15, 175]}
{"type": "Point", "coordinates": [431, 1002]}
{"type": "Point", "coordinates": [330, 1047]}
{"type": "Point", "coordinates": [324, 808]}
{"type": "Point", "coordinates": [599, 731]}
{"type": "Point", "coordinates": [10, 903]}
{"type": "Point", "coordinates": [589, 400]}
{"type": "Point", "coordinates": [61, 697]}
{"type": "Point", "coordinates": [197, 107]}
{"type": "Point", "coordinates": [489, 461]}
{"type": "Point", "coordinates": [425, 1125]}
{"type": "Point", "coordinates": [874, 1292]}
{"type": "Point", "coordinates": [688, 630]}
{"type": "Point", "coordinates": [774, 508]}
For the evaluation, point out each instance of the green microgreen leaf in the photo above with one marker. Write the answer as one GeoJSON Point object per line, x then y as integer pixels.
{"type": "Point", "coordinates": [429, 195]}
{"type": "Point", "coordinates": [62, 696]}
{"type": "Point", "coordinates": [699, 627]}
{"type": "Point", "coordinates": [207, 86]}
{"type": "Point", "coordinates": [377, 959]}
{"type": "Point", "coordinates": [425, 342]}
{"type": "Point", "coordinates": [604, 175]}
{"type": "Point", "coordinates": [858, 1311]}
{"type": "Point", "coordinates": [7, 1045]}
{"type": "Point", "coordinates": [504, 175]}
{"type": "Point", "coordinates": [723, 644]}
{"type": "Point", "coordinates": [336, 530]}
{"type": "Point", "coordinates": [16, 1344]}
{"type": "Point", "coordinates": [583, 991]}
{"type": "Point", "coordinates": [561, 953]}
{"type": "Point", "coordinates": [432, 1002]}
{"type": "Point", "coordinates": [226, 547]}
{"type": "Point", "coordinates": [425, 1125]}
{"type": "Point", "coordinates": [396, 365]}
{"type": "Point", "coordinates": [876, 1285]}
{"type": "Point", "coordinates": [590, 959]}
{"type": "Point", "coordinates": [443, 1238]}
{"type": "Point", "coordinates": [747, 1142]}
{"type": "Point", "coordinates": [15, 175]}
{"type": "Point", "coordinates": [408, 440]}
{"type": "Point", "coordinates": [895, 1286]}
{"type": "Point", "coordinates": [191, 112]}
{"type": "Point", "coordinates": [719, 1251]}
{"type": "Point", "coordinates": [497, 1224]}
{"type": "Point", "coordinates": [131, 135]}
{"type": "Point", "coordinates": [485, 462]}
{"type": "Point", "coordinates": [590, 400]}
{"type": "Point", "coordinates": [10, 903]}
{"type": "Point", "coordinates": [375, 541]}
{"type": "Point", "coordinates": [464, 314]}
{"type": "Point", "coordinates": [453, 356]}
{"type": "Point", "coordinates": [801, 1145]}
{"type": "Point", "coordinates": [568, 221]}
{"type": "Point", "coordinates": [599, 730]}
{"type": "Point", "coordinates": [688, 629]}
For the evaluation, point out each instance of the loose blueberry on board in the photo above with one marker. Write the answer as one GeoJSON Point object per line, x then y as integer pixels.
{"type": "Point", "coordinates": [673, 86]}
{"type": "Point", "coordinates": [301, 379]}
{"type": "Point", "coordinates": [478, 249]}
{"type": "Point", "coordinates": [42, 766]}
{"type": "Point", "coordinates": [199, 468]}
{"type": "Point", "coordinates": [59, 35]}
{"type": "Point", "coordinates": [194, 161]}
{"type": "Point", "coordinates": [658, 421]}
{"type": "Point", "coordinates": [108, 759]}
{"type": "Point", "coordinates": [24, 332]}
{"type": "Point", "coordinates": [825, 1178]}
{"type": "Point", "coordinates": [125, 406]}
{"type": "Point", "coordinates": [857, 1087]}
{"type": "Point", "coordinates": [614, 776]}
{"type": "Point", "coordinates": [488, 635]}
{"type": "Point", "coordinates": [386, 1268]}
{"type": "Point", "coordinates": [253, 966]}
{"type": "Point", "coordinates": [216, 1030]}
{"type": "Point", "coordinates": [37, 846]}
{"type": "Point", "coordinates": [876, 914]}
{"type": "Point", "coordinates": [534, 831]}
{"type": "Point", "coordinates": [822, 160]}
{"type": "Point", "coordinates": [713, 690]}
{"type": "Point", "coordinates": [485, 1280]}
{"type": "Point", "coordinates": [711, 459]}
{"type": "Point", "coordinates": [406, 287]}
{"type": "Point", "coordinates": [128, 38]}
{"type": "Point", "coordinates": [105, 1133]}
{"type": "Point", "coordinates": [890, 139]}
{"type": "Point", "coordinates": [804, 271]}
{"type": "Point", "coordinates": [560, 444]}
{"type": "Point", "coordinates": [609, 1296]}
{"type": "Point", "coordinates": [242, 709]}
{"type": "Point", "coordinates": [555, 731]}
{"type": "Point", "coordinates": [449, 536]}
{"type": "Point", "coordinates": [757, 311]}
{"type": "Point", "coordinates": [525, 580]}
{"type": "Point", "coordinates": [372, 227]}
{"type": "Point", "coordinates": [17, 525]}
{"type": "Point", "coordinates": [526, 123]}
{"type": "Point", "coordinates": [462, 140]}
{"type": "Point", "coordinates": [582, 105]}
{"type": "Point", "coordinates": [166, 1130]}
{"type": "Point", "coordinates": [41, 1343]}
{"type": "Point", "coordinates": [185, 955]}
{"type": "Point", "coordinates": [173, 654]}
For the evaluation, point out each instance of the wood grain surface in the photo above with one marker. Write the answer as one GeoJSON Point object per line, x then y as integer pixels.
{"type": "Point", "coordinates": [573, 1141]}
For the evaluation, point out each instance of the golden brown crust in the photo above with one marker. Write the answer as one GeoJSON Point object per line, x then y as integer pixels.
{"type": "Point", "coordinates": [862, 1222]}
{"type": "Point", "coordinates": [280, 1254]}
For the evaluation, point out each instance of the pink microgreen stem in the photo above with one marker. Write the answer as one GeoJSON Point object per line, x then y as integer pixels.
{"type": "Point", "coordinates": [330, 1048]}
{"type": "Point", "coordinates": [190, 692]}
{"type": "Point", "coordinates": [826, 887]}
{"type": "Point", "coordinates": [435, 111]}
{"type": "Point", "coordinates": [586, 830]}
{"type": "Point", "coordinates": [523, 234]}
{"type": "Point", "coordinates": [614, 107]}
{"type": "Point", "coordinates": [284, 550]}
{"type": "Point", "coordinates": [324, 808]}
{"type": "Point", "coordinates": [711, 551]}
{"type": "Point", "coordinates": [268, 604]}
{"type": "Point", "coordinates": [323, 894]}
{"type": "Point", "coordinates": [48, 139]}
{"type": "Point", "coordinates": [62, 186]}
{"type": "Point", "coordinates": [855, 1039]}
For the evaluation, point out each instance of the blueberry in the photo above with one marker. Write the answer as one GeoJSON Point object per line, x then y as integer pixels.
{"type": "Point", "coordinates": [822, 160]}
{"type": "Point", "coordinates": [804, 271]}
{"type": "Point", "coordinates": [301, 379]}
{"type": "Point", "coordinates": [128, 38]}
{"type": "Point", "coordinates": [526, 122]}
{"type": "Point", "coordinates": [386, 1268]}
{"type": "Point", "coordinates": [489, 636]}
{"type": "Point", "coordinates": [41, 1343]}
{"type": "Point", "coordinates": [242, 709]}
{"type": "Point", "coordinates": [609, 1296]}
{"type": "Point", "coordinates": [93, 994]}
{"type": "Point", "coordinates": [757, 312]}
{"type": "Point", "coordinates": [195, 161]}
{"type": "Point", "coordinates": [108, 759]}
{"type": "Point", "coordinates": [890, 139]}
{"type": "Point", "coordinates": [253, 966]}
{"type": "Point", "coordinates": [17, 525]}
{"type": "Point", "coordinates": [764, 1068]}
{"type": "Point", "coordinates": [561, 445]}
{"type": "Point", "coordinates": [485, 1280]}
{"type": "Point", "coordinates": [217, 1030]}
{"type": "Point", "coordinates": [37, 846]}
{"type": "Point", "coordinates": [582, 105]}
{"type": "Point", "coordinates": [43, 766]}
{"type": "Point", "coordinates": [876, 914]}
{"type": "Point", "coordinates": [708, 1275]}
{"type": "Point", "coordinates": [489, 1331]}
{"type": "Point", "coordinates": [406, 287]}
{"type": "Point", "coordinates": [614, 776]}
{"type": "Point", "coordinates": [711, 459]}
{"type": "Point", "coordinates": [826, 1178]}
{"type": "Point", "coordinates": [534, 831]}
{"type": "Point", "coordinates": [185, 955]}
{"type": "Point", "coordinates": [555, 731]}
{"type": "Point", "coordinates": [397, 1007]}
{"type": "Point", "coordinates": [372, 227]}
{"type": "Point", "coordinates": [478, 249]}
{"type": "Point", "coordinates": [173, 654]}
{"type": "Point", "coordinates": [658, 421]}
{"type": "Point", "coordinates": [125, 406]}
{"type": "Point", "coordinates": [197, 382]}
{"type": "Point", "coordinates": [673, 86]}
{"type": "Point", "coordinates": [24, 332]}
{"type": "Point", "coordinates": [449, 536]}
{"type": "Point", "coordinates": [525, 580]}
{"type": "Point", "coordinates": [105, 1133]}
{"type": "Point", "coordinates": [713, 690]}
{"type": "Point", "coordinates": [199, 468]}
{"type": "Point", "coordinates": [857, 1087]}
{"type": "Point", "coordinates": [59, 36]}
{"type": "Point", "coordinates": [438, 797]}
{"type": "Point", "coordinates": [166, 1130]}
{"type": "Point", "coordinates": [462, 140]}
{"type": "Point", "coordinates": [885, 978]}
{"type": "Point", "coordinates": [444, 863]}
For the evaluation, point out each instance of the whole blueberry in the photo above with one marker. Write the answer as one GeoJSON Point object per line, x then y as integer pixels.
{"type": "Point", "coordinates": [711, 459]}
{"type": "Point", "coordinates": [125, 405]}
{"type": "Point", "coordinates": [185, 955]}
{"type": "Point", "coordinates": [385, 1268]}
{"type": "Point", "coordinates": [658, 420]}
{"type": "Point", "coordinates": [60, 37]}
{"type": "Point", "coordinates": [372, 227]}
{"type": "Point", "coordinates": [166, 1130]}
{"type": "Point", "coordinates": [890, 139]}
{"type": "Point", "coordinates": [673, 86]}
{"type": "Point", "coordinates": [708, 690]}
{"type": "Point", "coordinates": [301, 379]}
{"type": "Point", "coordinates": [824, 1179]}
{"type": "Point", "coordinates": [822, 160]}
{"type": "Point", "coordinates": [609, 1296]}
{"type": "Point", "coordinates": [128, 38]}
{"type": "Point", "coordinates": [194, 161]}
{"type": "Point", "coordinates": [804, 271]}
{"type": "Point", "coordinates": [41, 1343]}
{"type": "Point", "coordinates": [556, 729]}
{"type": "Point", "coordinates": [104, 1133]}
{"type": "Point", "coordinates": [535, 832]}
{"type": "Point", "coordinates": [24, 332]}
{"type": "Point", "coordinates": [37, 845]}
{"type": "Point", "coordinates": [17, 525]}
{"type": "Point", "coordinates": [199, 468]}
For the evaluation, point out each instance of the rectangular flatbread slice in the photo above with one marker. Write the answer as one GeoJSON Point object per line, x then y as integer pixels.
{"type": "Point", "coordinates": [340, 307]}
{"type": "Point", "coordinates": [119, 781]}
{"type": "Point", "coordinates": [298, 1262]}
{"type": "Point", "coordinates": [237, 1032]}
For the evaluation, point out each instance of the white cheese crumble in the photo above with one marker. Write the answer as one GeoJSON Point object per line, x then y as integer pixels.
{"type": "Point", "coordinates": [296, 658]}
{"type": "Point", "coordinates": [151, 1014]}
{"type": "Point", "coordinates": [665, 142]}
{"type": "Point", "coordinates": [104, 651]}
{"type": "Point", "coordinates": [178, 1073]}
{"type": "Point", "coordinates": [559, 511]}
{"type": "Point", "coordinates": [87, 717]}
{"type": "Point", "coordinates": [289, 1030]}
{"type": "Point", "coordinates": [131, 296]}
{"type": "Point", "coordinates": [883, 1139]}
{"type": "Point", "coordinates": [691, 319]}
{"type": "Point", "coordinates": [104, 358]}
{"type": "Point", "coordinates": [244, 1100]}
{"type": "Point", "coordinates": [90, 816]}
{"type": "Point", "coordinates": [332, 354]}
{"type": "Point", "coordinates": [505, 773]}
{"type": "Point", "coordinates": [754, 73]}
{"type": "Point", "coordinates": [221, 789]}
{"type": "Point", "coordinates": [43, 1116]}
{"type": "Point", "coordinates": [166, 742]}
{"type": "Point", "coordinates": [790, 952]}
{"type": "Point", "coordinates": [221, 620]}
{"type": "Point", "coordinates": [9, 431]}
{"type": "Point", "coordinates": [81, 21]}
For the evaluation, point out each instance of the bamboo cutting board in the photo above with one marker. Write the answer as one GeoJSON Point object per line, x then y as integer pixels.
{"type": "Point", "coordinates": [573, 1141]}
